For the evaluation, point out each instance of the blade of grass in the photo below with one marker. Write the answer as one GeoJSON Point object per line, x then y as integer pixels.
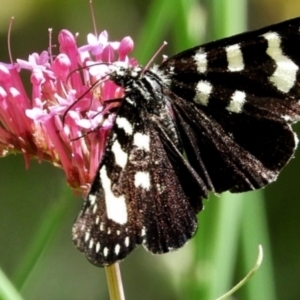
{"type": "Point", "coordinates": [247, 277]}
{"type": "Point", "coordinates": [225, 244]}
{"type": "Point", "coordinates": [158, 20]}
{"type": "Point", "coordinates": [183, 36]}
{"type": "Point", "coordinates": [51, 222]}
{"type": "Point", "coordinates": [226, 17]}
{"type": "Point", "coordinates": [254, 231]}
{"type": "Point", "coordinates": [216, 248]}
{"type": "Point", "coordinates": [7, 290]}
{"type": "Point", "coordinates": [161, 16]}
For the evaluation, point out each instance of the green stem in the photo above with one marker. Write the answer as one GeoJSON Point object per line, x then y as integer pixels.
{"type": "Point", "coordinates": [247, 277]}
{"type": "Point", "coordinates": [114, 282]}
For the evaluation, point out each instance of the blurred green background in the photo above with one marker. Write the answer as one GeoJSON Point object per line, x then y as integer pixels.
{"type": "Point", "coordinates": [37, 209]}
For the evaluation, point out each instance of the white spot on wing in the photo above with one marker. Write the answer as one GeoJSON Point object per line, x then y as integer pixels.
{"type": "Point", "coordinates": [142, 141]}
{"type": "Point", "coordinates": [115, 206]}
{"type": "Point", "coordinates": [296, 140]}
{"type": "Point", "coordinates": [91, 244]}
{"type": "Point", "coordinates": [203, 91]}
{"type": "Point", "coordinates": [117, 249]}
{"type": "Point", "coordinates": [237, 101]}
{"type": "Point", "coordinates": [92, 199]}
{"type": "Point", "coordinates": [95, 208]}
{"type": "Point", "coordinates": [124, 124]}
{"type": "Point", "coordinates": [234, 58]}
{"type": "Point", "coordinates": [126, 242]}
{"type": "Point", "coordinates": [97, 247]}
{"type": "Point", "coordinates": [284, 77]}
{"type": "Point", "coordinates": [105, 251]}
{"type": "Point", "coordinates": [287, 118]}
{"type": "Point", "coordinates": [143, 233]}
{"type": "Point", "coordinates": [97, 220]}
{"type": "Point", "coordinates": [200, 59]}
{"type": "Point", "coordinates": [102, 226]}
{"type": "Point", "coordinates": [87, 236]}
{"type": "Point", "coordinates": [142, 179]}
{"type": "Point", "coordinates": [131, 102]}
{"type": "Point", "coordinates": [121, 157]}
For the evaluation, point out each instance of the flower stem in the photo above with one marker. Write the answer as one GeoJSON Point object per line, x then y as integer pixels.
{"type": "Point", "coordinates": [114, 282]}
{"type": "Point", "coordinates": [247, 277]}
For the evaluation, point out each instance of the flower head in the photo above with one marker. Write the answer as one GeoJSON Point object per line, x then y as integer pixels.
{"type": "Point", "coordinates": [66, 119]}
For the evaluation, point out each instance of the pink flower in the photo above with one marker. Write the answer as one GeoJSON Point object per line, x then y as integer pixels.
{"type": "Point", "coordinates": [66, 119]}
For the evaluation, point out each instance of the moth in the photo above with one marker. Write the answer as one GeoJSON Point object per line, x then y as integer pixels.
{"type": "Point", "coordinates": [213, 118]}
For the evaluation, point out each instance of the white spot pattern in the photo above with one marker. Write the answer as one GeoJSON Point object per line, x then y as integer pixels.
{"type": "Point", "coordinates": [143, 231]}
{"type": "Point", "coordinates": [92, 199]}
{"type": "Point", "coordinates": [115, 206]}
{"type": "Point", "coordinates": [142, 179]}
{"type": "Point", "coordinates": [87, 236]}
{"type": "Point", "coordinates": [95, 208]}
{"type": "Point", "coordinates": [234, 58]}
{"type": "Point", "coordinates": [102, 226]}
{"type": "Point", "coordinates": [121, 157]}
{"type": "Point", "coordinates": [142, 141]}
{"type": "Point", "coordinates": [203, 91]}
{"type": "Point", "coordinates": [117, 249]}
{"type": "Point", "coordinates": [238, 99]}
{"type": "Point", "coordinates": [91, 244]}
{"type": "Point", "coordinates": [284, 77]}
{"type": "Point", "coordinates": [201, 61]}
{"type": "Point", "coordinates": [124, 124]}
{"type": "Point", "coordinates": [97, 247]}
{"type": "Point", "coordinates": [105, 251]}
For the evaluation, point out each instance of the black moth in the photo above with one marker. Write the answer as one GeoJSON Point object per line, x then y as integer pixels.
{"type": "Point", "coordinates": [227, 106]}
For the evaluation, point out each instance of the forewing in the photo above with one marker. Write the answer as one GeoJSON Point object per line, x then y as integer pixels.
{"type": "Point", "coordinates": [144, 192]}
{"type": "Point", "coordinates": [233, 100]}
{"type": "Point", "coordinates": [109, 225]}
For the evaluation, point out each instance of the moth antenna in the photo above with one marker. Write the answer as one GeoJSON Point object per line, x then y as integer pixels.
{"type": "Point", "coordinates": [93, 18]}
{"type": "Point", "coordinates": [81, 96]}
{"type": "Point", "coordinates": [164, 44]}
{"type": "Point", "coordinates": [8, 39]}
{"type": "Point", "coordinates": [50, 44]}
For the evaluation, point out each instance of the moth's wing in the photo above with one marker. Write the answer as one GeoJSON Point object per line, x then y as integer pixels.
{"type": "Point", "coordinates": [237, 154]}
{"type": "Point", "coordinates": [174, 195]}
{"type": "Point", "coordinates": [109, 225]}
{"type": "Point", "coordinates": [137, 195]}
{"type": "Point", "coordinates": [263, 63]}
{"type": "Point", "coordinates": [234, 100]}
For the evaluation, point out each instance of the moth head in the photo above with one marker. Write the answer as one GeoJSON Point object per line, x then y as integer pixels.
{"type": "Point", "coordinates": [122, 74]}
